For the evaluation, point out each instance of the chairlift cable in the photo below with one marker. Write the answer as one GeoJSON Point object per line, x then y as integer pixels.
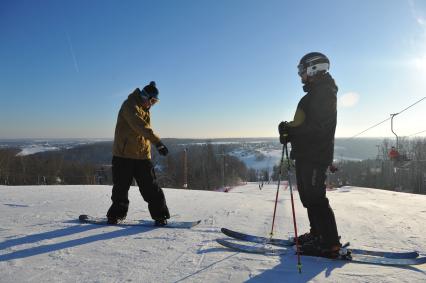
{"type": "Point", "coordinates": [370, 128]}
{"type": "Point", "coordinates": [417, 133]}
{"type": "Point", "coordinates": [411, 105]}
{"type": "Point", "coordinates": [387, 118]}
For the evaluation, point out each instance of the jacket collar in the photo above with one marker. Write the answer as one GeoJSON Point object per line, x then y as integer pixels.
{"type": "Point", "coordinates": [319, 81]}
{"type": "Point", "coordinates": [136, 96]}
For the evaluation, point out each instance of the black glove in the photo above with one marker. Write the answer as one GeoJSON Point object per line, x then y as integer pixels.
{"type": "Point", "coordinates": [283, 129]}
{"type": "Point", "coordinates": [333, 168]}
{"type": "Point", "coordinates": [162, 149]}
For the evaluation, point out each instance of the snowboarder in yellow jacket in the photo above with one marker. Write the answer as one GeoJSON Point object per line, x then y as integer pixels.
{"type": "Point", "coordinates": [132, 157]}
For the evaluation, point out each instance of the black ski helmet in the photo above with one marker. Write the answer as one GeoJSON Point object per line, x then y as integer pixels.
{"type": "Point", "coordinates": [313, 63]}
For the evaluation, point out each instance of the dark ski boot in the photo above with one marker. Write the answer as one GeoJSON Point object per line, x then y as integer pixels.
{"type": "Point", "coordinates": [305, 238]}
{"type": "Point", "coordinates": [115, 220]}
{"type": "Point", "coordinates": [316, 248]}
{"type": "Point", "coordinates": [160, 222]}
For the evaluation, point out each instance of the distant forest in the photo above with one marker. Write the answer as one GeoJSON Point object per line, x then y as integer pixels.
{"type": "Point", "coordinates": [406, 173]}
{"type": "Point", "coordinates": [208, 166]}
{"type": "Point", "coordinates": [195, 164]}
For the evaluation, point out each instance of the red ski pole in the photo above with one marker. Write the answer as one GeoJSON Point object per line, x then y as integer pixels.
{"type": "Point", "coordinates": [278, 189]}
{"type": "Point", "coordinates": [299, 264]}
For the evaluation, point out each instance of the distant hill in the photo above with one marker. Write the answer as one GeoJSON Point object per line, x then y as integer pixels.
{"type": "Point", "coordinates": [359, 148]}
{"type": "Point", "coordinates": [99, 152]}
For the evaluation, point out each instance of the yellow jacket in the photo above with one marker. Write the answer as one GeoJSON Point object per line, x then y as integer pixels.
{"type": "Point", "coordinates": [133, 134]}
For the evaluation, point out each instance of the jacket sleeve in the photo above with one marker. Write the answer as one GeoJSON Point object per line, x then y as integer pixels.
{"type": "Point", "coordinates": [138, 124]}
{"type": "Point", "coordinates": [318, 115]}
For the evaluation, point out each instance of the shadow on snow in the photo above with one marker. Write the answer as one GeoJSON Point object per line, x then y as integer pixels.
{"type": "Point", "coordinates": [311, 267]}
{"type": "Point", "coordinates": [47, 248]}
{"type": "Point", "coordinates": [286, 270]}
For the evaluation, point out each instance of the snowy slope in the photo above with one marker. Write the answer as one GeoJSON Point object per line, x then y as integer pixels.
{"type": "Point", "coordinates": [40, 241]}
{"type": "Point", "coordinates": [270, 158]}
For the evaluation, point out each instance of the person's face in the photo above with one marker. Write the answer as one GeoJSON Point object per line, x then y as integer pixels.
{"type": "Point", "coordinates": [153, 101]}
{"type": "Point", "coordinates": [304, 77]}
{"type": "Point", "coordinates": [149, 102]}
{"type": "Point", "coordinates": [301, 71]}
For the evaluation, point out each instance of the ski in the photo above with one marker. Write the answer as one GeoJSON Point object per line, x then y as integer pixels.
{"type": "Point", "coordinates": [387, 254]}
{"type": "Point", "coordinates": [257, 249]}
{"type": "Point", "coordinates": [357, 258]}
{"type": "Point", "coordinates": [257, 239]}
{"type": "Point", "coordinates": [290, 242]}
{"type": "Point", "coordinates": [145, 223]}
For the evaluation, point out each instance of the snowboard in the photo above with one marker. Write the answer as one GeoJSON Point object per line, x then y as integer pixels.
{"type": "Point", "coordinates": [357, 258]}
{"type": "Point", "coordinates": [84, 218]}
{"type": "Point", "coordinates": [290, 242]}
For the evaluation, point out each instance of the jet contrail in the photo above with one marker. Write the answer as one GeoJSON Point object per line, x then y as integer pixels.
{"type": "Point", "coordinates": [72, 54]}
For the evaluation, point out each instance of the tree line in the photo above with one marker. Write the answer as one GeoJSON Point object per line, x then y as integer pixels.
{"type": "Point", "coordinates": [43, 169]}
{"type": "Point", "coordinates": [405, 174]}
{"type": "Point", "coordinates": [208, 167]}
{"type": "Point", "coordinates": [203, 167]}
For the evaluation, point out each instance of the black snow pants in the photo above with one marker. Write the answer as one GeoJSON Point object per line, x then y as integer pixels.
{"type": "Point", "coordinates": [312, 191]}
{"type": "Point", "coordinates": [123, 172]}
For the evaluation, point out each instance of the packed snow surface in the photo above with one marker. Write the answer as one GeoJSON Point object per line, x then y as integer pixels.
{"type": "Point", "coordinates": [42, 241]}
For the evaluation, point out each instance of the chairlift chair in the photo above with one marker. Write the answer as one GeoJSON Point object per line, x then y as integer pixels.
{"type": "Point", "coordinates": [397, 154]}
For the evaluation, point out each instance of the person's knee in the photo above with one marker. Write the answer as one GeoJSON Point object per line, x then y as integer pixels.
{"type": "Point", "coordinates": [305, 203]}
{"type": "Point", "coordinates": [318, 203]}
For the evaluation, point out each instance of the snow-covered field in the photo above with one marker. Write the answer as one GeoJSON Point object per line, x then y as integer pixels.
{"type": "Point", "coordinates": [41, 241]}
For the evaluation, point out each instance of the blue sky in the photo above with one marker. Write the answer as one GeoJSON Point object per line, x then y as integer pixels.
{"type": "Point", "coordinates": [224, 68]}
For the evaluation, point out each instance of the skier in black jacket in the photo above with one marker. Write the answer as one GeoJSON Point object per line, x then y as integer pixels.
{"type": "Point", "coordinates": [311, 134]}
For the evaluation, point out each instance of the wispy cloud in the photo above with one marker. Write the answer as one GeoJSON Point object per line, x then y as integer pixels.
{"type": "Point", "coordinates": [349, 99]}
{"type": "Point", "coordinates": [418, 14]}
{"type": "Point", "coordinates": [417, 58]}
{"type": "Point", "coordinates": [77, 69]}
